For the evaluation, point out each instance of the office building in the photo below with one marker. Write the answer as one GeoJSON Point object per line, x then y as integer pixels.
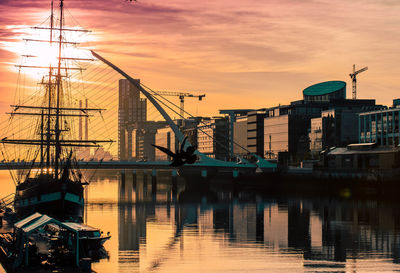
{"type": "Point", "coordinates": [145, 138]}
{"type": "Point", "coordinates": [286, 128]}
{"type": "Point", "coordinates": [325, 92]}
{"type": "Point", "coordinates": [323, 118]}
{"type": "Point", "coordinates": [255, 132]}
{"type": "Point", "coordinates": [338, 126]}
{"type": "Point", "coordinates": [286, 132]}
{"type": "Point", "coordinates": [165, 137]}
{"type": "Point", "coordinates": [132, 112]}
{"type": "Point", "coordinates": [237, 130]}
{"type": "Point", "coordinates": [240, 136]}
{"type": "Point", "coordinates": [246, 131]}
{"type": "Point", "coordinates": [365, 156]}
{"type": "Point", "coordinates": [381, 126]}
{"type": "Point", "coordinates": [188, 128]}
{"type": "Point", "coordinates": [212, 138]}
{"type": "Point", "coordinates": [276, 131]}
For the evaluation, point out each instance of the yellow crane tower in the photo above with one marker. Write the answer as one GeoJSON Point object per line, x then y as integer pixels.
{"type": "Point", "coordinates": [181, 96]}
{"type": "Point", "coordinates": [353, 77]}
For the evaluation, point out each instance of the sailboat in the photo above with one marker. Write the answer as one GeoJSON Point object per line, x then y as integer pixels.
{"type": "Point", "coordinates": [52, 186]}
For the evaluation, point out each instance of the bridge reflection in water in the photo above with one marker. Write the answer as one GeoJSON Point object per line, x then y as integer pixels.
{"type": "Point", "coordinates": [228, 230]}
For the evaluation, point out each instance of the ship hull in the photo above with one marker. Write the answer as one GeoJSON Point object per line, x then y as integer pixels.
{"type": "Point", "coordinates": [62, 200]}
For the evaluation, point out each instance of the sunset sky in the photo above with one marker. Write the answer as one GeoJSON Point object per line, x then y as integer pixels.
{"type": "Point", "coordinates": [242, 54]}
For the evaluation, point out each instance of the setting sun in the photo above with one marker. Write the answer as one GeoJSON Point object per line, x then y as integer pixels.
{"type": "Point", "coordinates": [38, 48]}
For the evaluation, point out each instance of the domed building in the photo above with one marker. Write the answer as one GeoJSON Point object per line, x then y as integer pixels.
{"type": "Point", "coordinates": [325, 91]}
{"type": "Point", "coordinates": [301, 129]}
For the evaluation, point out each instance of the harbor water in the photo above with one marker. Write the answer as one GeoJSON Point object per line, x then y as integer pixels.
{"type": "Point", "coordinates": [158, 226]}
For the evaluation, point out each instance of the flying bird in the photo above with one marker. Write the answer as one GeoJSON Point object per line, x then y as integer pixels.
{"type": "Point", "coordinates": [180, 157]}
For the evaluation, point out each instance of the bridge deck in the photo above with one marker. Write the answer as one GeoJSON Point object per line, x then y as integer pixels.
{"type": "Point", "coordinates": [132, 165]}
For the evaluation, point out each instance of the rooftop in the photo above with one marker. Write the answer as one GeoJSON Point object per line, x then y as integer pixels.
{"type": "Point", "coordinates": [368, 149]}
{"type": "Point", "coordinates": [324, 88]}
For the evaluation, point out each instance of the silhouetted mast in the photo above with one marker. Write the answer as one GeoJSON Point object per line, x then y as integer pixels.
{"type": "Point", "coordinates": [57, 126]}
{"type": "Point", "coordinates": [49, 91]}
{"type": "Point", "coordinates": [54, 111]}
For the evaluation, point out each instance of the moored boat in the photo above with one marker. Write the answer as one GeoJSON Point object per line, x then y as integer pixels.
{"type": "Point", "coordinates": [40, 243]}
{"type": "Point", "coordinates": [90, 238]}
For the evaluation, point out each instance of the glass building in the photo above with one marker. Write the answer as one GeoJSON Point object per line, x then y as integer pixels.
{"type": "Point", "coordinates": [381, 127]}
{"type": "Point", "coordinates": [325, 91]}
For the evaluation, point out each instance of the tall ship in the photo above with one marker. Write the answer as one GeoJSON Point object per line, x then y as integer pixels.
{"type": "Point", "coordinates": [53, 184]}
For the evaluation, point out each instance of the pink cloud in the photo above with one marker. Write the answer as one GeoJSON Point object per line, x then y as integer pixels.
{"type": "Point", "coordinates": [212, 44]}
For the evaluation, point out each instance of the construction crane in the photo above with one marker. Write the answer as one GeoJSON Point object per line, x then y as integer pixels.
{"type": "Point", "coordinates": [353, 77]}
{"type": "Point", "coordinates": [181, 96]}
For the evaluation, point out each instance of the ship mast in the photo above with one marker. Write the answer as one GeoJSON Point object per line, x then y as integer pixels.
{"type": "Point", "coordinates": [50, 141]}
{"type": "Point", "coordinates": [49, 88]}
{"type": "Point", "coordinates": [57, 125]}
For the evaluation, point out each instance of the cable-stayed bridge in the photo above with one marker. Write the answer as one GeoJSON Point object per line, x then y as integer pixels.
{"type": "Point", "coordinates": [203, 166]}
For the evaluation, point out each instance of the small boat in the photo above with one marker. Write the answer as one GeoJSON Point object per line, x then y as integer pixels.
{"type": "Point", "coordinates": [39, 240]}
{"type": "Point", "coordinates": [90, 238]}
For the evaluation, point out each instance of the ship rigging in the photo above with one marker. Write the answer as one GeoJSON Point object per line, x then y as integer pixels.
{"type": "Point", "coordinates": [56, 188]}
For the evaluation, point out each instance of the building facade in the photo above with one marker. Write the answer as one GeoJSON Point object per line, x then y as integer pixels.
{"type": "Point", "coordinates": [165, 137]}
{"type": "Point", "coordinates": [322, 119]}
{"type": "Point", "coordinates": [325, 92]}
{"type": "Point", "coordinates": [132, 113]}
{"type": "Point", "coordinates": [338, 126]}
{"type": "Point", "coordinates": [316, 136]}
{"type": "Point", "coordinates": [213, 138]}
{"type": "Point", "coordinates": [189, 129]}
{"type": "Point", "coordinates": [380, 127]}
{"type": "Point", "coordinates": [363, 156]}
{"type": "Point", "coordinates": [237, 140]}
{"type": "Point", "coordinates": [286, 129]}
{"type": "Point", "coordinates": [145, 138]}
{"type": "Point", "coordinates": [240, 136]}
{"type": "Point", "coordinates": [276, 131]}
{"type": "Point", "coordinates": [255, 132]}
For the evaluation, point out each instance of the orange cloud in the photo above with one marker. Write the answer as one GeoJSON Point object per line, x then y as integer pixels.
{"type": "Point", "coordinates": [253, 53]}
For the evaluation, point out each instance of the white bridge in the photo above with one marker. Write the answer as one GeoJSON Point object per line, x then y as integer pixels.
{"type": "Point", "coordinates": [205, 162]}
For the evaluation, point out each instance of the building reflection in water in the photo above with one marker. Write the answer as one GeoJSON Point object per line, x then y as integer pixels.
{"type": "Point", "coordinates": [326, 232]}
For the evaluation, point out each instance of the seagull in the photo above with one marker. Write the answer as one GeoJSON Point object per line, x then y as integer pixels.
{"type": "Point", "coordinates": [180, 157]}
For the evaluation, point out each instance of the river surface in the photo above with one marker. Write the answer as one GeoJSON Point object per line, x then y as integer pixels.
{"type": "Point", "coordinates": [157, 227]}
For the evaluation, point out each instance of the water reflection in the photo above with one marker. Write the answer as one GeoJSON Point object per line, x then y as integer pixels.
{"type": "Point", "coordinates": [161, 226]}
